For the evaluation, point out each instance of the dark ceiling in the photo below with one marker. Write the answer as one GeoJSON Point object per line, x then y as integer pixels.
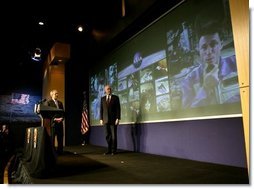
{"type": "Point", "coordinates": [103, 22]}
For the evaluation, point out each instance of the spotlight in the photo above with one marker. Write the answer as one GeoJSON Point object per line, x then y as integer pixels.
{"type": "Point", "coordinates": [80, 28]}
{"type": "Point", "coordinates": [36, 55]}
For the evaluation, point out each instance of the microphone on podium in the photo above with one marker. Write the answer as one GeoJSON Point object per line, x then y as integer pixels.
{"type": "Point", "coordinates": [42, 101]}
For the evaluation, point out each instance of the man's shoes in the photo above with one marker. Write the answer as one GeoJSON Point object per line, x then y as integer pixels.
{"type": "Point", "coordinates": [107, 153]}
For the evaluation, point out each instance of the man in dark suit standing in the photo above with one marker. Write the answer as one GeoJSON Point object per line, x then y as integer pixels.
{"type": "Point", "coordinates": [56, 121]}
{"type": "Point", "coordinates": [110, 115]}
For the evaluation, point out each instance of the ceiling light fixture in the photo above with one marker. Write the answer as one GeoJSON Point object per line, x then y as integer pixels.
{"type": "Point", "coordinates": [41, 23]}
{"type": "Point", "coordinates": [80, 28]}
{"type": "Point", "coordinates": [36, 56]}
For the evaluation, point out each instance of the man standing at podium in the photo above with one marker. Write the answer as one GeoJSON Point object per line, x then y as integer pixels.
{"type": "Point", "coordinates": [57, 121]}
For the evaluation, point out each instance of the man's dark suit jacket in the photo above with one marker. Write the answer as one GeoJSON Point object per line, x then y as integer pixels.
{"type": "Point", "coordinates": [110, 112]}
{"type": "Point", "coordinates": [51, 103]}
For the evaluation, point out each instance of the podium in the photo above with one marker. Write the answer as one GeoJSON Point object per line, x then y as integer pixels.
{"type": "Point", "coordinates": [46, 114]}
{"type": "Point", "coordinates": [39, 158]}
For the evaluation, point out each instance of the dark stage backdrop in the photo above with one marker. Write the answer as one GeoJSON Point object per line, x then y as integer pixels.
{"type": "Point", "coordinates": [158, 73]}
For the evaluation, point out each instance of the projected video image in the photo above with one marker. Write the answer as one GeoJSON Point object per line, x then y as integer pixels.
{"type": "Point", "coordinates": [96, 92]}
{"type": "Point", "coordinates": [175, 93]}
{"type": "Point", "coordinates": [122, 84]}
{"type": "Point", "coordinates": [146, 75]}
{"type": "Point", "coordinates": [133, 81]}
{"type": "Point", "coordinates": [161, 69]}
{"type": "Point", "coordinates": [163, 103]}
{"type": "Point", "coordinates": [97, 84]}
{"type": "Point", "coordinates": [18, 107]}
{"type": "Point", "coordinates": [182, 66]}
{"type": "Point", "coordinates": [147, 98]}
{"type": "Point", "coordinates": [133, 94]}
{"type": "Point", "coordinates": [134, 111]}
{"type": "Point", "coordinates": [180, 49]}
{"type": "Point", "coordinates": [162, 86]}
{"type": "Point", "coordinates": [111, 76]}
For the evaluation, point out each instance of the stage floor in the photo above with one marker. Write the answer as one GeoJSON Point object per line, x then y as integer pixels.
{"type": "Point", "coordinates": [87, 165]}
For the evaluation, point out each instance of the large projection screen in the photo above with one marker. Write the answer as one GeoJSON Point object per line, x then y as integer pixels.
{"type": "Point", "coordinates": [180, 67]}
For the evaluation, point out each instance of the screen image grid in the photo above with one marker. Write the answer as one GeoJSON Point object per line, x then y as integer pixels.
{"type": "Point", "coordinates": [163, 75]}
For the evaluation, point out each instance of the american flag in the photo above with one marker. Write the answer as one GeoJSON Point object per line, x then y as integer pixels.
{"type": "Point", "coordinates": [84, 121]}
